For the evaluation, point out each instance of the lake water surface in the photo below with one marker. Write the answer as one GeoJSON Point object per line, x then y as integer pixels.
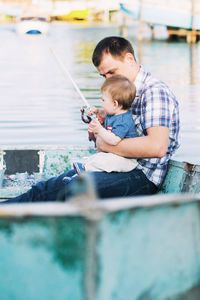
{"type": "Point", "coordinates": [39, 105]}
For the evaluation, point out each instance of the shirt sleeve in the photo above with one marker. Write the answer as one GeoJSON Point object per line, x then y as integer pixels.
{"type": "Point", "coordinates": [156, 108]}
{"type": "Point", "coordinates": [120, 130]}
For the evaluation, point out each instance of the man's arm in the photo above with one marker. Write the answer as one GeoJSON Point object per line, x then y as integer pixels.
{"type": "Point", "coordinates": [155, 144]}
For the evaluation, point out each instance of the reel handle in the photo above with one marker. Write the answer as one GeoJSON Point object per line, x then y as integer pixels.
{"type": "Point", "coordinates": [85, 118]}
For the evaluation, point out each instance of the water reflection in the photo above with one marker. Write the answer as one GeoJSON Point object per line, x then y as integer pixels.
{"type": "Point", "coordinates": [40, 106]}
{"type": "Point", "coordinates": [194, 64]}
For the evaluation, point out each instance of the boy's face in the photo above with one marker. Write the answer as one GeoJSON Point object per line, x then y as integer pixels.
{"type": "Point", "coordinates": [111, 65]}
{"type": "Point", "coordinates": [108, 105]}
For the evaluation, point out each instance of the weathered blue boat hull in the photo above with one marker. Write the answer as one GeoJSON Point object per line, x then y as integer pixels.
{"type": "Point", "coordinates": [131, 248]}
{"type": "Point", "coordinates": [139, 248]}
{"type": "Point", "coordinates": [45, 163]}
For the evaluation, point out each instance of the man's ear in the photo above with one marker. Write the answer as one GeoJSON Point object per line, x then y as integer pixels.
{"type": "Point", "coordinates": [129, 57]}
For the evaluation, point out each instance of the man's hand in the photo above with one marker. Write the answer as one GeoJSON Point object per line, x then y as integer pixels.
{"type": "Point", "coordinates": [100, 144]}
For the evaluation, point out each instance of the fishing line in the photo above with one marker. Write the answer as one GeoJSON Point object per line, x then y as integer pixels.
{"type": "Point", "coordinates": [68, 75]}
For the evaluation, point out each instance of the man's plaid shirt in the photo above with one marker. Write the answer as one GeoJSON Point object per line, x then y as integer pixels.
{"type": "Point", "coordinates": [155, 105]}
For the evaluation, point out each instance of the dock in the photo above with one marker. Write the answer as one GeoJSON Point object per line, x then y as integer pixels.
{"type": "Point", "coordinates": [191, 36]}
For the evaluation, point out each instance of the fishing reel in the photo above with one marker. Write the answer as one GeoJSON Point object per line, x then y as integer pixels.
{"type": "Point", "coordinates": [87, 119]}
{"type": "Point", "coordinates": [84, 115]}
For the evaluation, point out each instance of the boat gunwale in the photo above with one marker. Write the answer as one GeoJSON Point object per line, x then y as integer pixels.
{"type": "Point", "coordinates": [93, 209]}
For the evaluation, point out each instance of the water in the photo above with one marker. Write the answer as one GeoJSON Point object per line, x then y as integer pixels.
{"type": "Point", "coordinates": [39, 105]}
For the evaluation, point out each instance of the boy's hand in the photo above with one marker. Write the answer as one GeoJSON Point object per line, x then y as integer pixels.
{"type": "Point", "coordinates": [94, 126]}
{"type": "Point", "coordinates": [93, 111]}
{"type": "Point", "coordinates": [100, 114]}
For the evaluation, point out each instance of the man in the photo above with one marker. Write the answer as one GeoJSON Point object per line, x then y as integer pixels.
{"type": "Point", "coordinates": [156, 114]}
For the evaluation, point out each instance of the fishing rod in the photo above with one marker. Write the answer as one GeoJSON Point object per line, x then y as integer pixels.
{"type": "Point", "coordinates": [85, 118]}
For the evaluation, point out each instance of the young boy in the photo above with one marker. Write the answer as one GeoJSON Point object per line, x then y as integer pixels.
{"type": "Point", "coordinates": [118, 94]}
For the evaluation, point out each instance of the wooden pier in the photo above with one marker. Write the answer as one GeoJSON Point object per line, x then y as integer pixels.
{"type": "Point", "coordinates": [191, 36]}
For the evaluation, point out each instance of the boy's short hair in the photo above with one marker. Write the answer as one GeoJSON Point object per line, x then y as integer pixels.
{"type": "Point", "coordinates": [115, 45]}
{"type": "Point", "coordinates": [121, 89]}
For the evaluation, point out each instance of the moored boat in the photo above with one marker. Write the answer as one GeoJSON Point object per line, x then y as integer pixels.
{"type": "Point", "coordinates": [32, 25]}
{"type": "Point", "coordinates": [70, 10]}
{"type": "Point", "coordinates": [184, 14]}
{"type": "Point", "coordinates": [77, 14]}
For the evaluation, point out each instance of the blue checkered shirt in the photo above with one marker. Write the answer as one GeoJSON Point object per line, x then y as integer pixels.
{"type": "Point", "coordinates": [155, 105]}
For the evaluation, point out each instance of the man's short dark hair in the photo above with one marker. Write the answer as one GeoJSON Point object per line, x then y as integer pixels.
{"type": "Point", "coordinates": [115, 45]}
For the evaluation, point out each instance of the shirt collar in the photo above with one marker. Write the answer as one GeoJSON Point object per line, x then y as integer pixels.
{"type": "Point", "coordinates": [139, 80]}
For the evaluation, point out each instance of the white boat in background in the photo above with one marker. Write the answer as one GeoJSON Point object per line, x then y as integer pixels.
{"type": "Point", "coordinates": [176, 14]}
{"type": "Point", "coordinates": [32, 25]}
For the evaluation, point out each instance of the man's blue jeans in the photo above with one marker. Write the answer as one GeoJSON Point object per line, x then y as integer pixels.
{"type": "Point", "coordinates": [108, 185]}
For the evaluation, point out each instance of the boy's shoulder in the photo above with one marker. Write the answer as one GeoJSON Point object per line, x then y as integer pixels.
{"type": "Point", "coordinates": [122, 118]}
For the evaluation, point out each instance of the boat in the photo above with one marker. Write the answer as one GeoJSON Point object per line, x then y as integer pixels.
{"type": "Point", "coordinates": [17, 163]}
{"type": "Point", "coordinates": [77, 15]}
{"type": "Point", "coordinates": [70, 10]}
{"type": "Point", "coordinates": [130, 248]}
{"type": "Point", "coordinates": [32, 25]}
{"type": "Point", "coordinates": [184, 14]}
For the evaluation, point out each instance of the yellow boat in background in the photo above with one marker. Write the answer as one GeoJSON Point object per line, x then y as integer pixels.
{"type": "Point", "coordinates": [77, 14]}
{"type": "Point", "coordinates": [67, 11]}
